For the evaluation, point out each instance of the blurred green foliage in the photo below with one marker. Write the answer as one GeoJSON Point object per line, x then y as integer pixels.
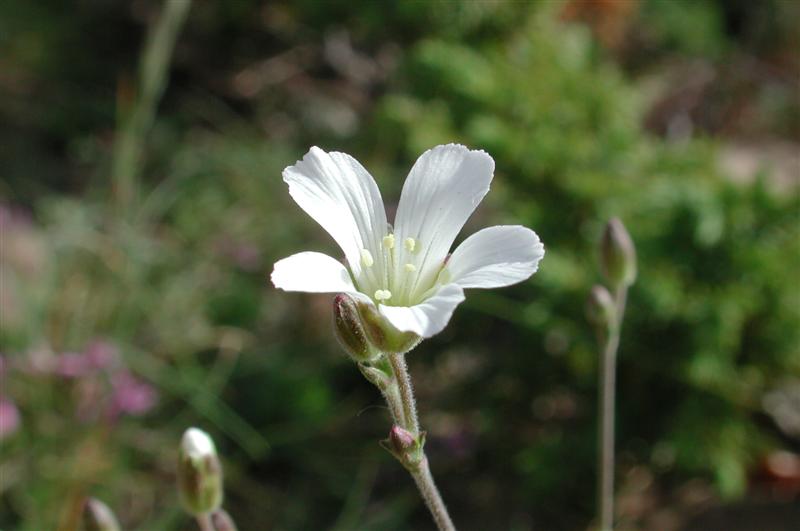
{"type": "Point", "coordinates": [507, 392]}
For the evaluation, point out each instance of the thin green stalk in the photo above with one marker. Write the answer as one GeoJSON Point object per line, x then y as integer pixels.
{"type": "Point", "coordinates": [607, 383]}
{"type": "Point", "coordinates": [134, 126]}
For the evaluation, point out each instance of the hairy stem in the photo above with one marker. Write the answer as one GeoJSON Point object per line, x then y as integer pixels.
{"type": "Point", "coordinates": [407, 419]}
{"type": "Point", "coordinates": [607, 383]}
{"type": "Point", "coordinates": [427, 488]}
{"type": "Point", "coordinates": [400, 369]}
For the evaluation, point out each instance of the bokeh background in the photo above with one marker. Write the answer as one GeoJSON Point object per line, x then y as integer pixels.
{"type": "Point", "coordinates": [142, 208]}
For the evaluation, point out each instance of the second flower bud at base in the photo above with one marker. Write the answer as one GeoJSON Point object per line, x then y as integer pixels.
{"type": "Point", "coordinates": [199, 473]}
{"type": "Point", "coordinates": [349, 329]}
{"type": "Point", "coordinates": [408, 449]}
{"type": "Point", "coordinates": [364, 333]}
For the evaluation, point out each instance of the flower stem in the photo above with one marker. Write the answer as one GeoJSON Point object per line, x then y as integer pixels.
{"type": "Point", "coordinates": [427, 488]}
{"type": "Point", "coordinates": [400, 368]}
{"type": "Point", "coordinates": [607, 377]}
{"type": "Point", "coordinates": [421, 472]}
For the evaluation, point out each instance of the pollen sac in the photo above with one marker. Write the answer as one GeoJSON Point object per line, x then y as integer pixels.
{"type": "Point", "coordinates": [410, 268]}
{"type": "Point", "coordinates": [383, 295]}
{"type": "Point", "coordinates": [388, 241]}
{"type": "Point", "coordinates": [410, 244]}
{"type": "Point", "coordinates": [349, 330]}
{"type": "Point", "coordinates": [199, 473]}
{"type": "Point", "coordinates": [366, 258]}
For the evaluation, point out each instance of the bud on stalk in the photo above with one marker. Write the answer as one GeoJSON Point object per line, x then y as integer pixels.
{"type": "Point", "coordinates": [601, 310]}
{"type": "Point", "coordinates": [617, 255]}
{"type": "Point", "coordinates": [199, 473]}
{"type": "Point", "coordinates": [98, 517]}
{"type": "Point", "coordinates": [405, 447]}
{"type": "Point", "coordinates": [350, 330]}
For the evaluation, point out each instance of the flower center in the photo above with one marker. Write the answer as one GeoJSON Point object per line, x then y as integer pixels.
{"type": "Point", "coordinates": [392, 273]}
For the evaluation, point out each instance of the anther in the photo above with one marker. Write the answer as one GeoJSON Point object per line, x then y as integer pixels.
{"type": "Point", "coordinates": [410, 244]}
{"type": "Point", "coordinates": [366, 258]}
{"type": "Point", "coordinates": [388, 241]}
{"type": "Point", "coordinates": [383, 295]}
{"type": "Point", "coordinates": [410, 268]}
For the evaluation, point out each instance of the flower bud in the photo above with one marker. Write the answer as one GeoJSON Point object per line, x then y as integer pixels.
{"type": "Point", "coordinates": [617, 255]}
{"type": "Point", "coordinates": [401, 440]}
{"type": "Point", "coordinates": [98, 517]}
{"type": "Point", "coordinates": [600, 309]}
{"type": "Point", "coordinates": [199, 473]}
{"type": "Point", "coordinates": [222, 521]}
{"type": "Point", "coordinates": [408, 449]}
{"type": "Point", "coordinates": [350, 330]}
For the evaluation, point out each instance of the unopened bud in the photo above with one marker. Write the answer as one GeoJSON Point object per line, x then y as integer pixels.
{"type": "Point", "coordinates": [402, 440]}
{"type": "Point", "coordinates": [405, 447]}
{"type": "Point", "coordinates": [618, 255]}
{"type": "Point", "coordinates": [600, 309]}
{"type": "Point", "coordinates": [199, 473]}
{"type": "Point", "coordinates": [222, 521]}
{"type": "Point", "coordinates": [98, 517]}
{"type": "Point", "coordinates": [350, 330]}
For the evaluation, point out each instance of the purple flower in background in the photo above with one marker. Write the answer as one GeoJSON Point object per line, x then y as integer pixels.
{"type": "Point", "coordinates": [9, 418]}
{"type": "Point", "coordinates": [101, 354]}
{"type": "Point", "coordinates": [131, 395]}
{"type": "Point", "coordinates": [73, 365]}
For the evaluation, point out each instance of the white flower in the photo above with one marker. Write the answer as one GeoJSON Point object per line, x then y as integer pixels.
{"type": "Point", "coordinates": [405, 271]}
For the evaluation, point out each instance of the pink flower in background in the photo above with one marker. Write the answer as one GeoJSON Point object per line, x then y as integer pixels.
{"type": "Point", "coordinates": [72, 365]}
{"type": "Point", "coordinates": [131, 395]}
{"type": "Point", "coordinates": [101, 354]}
{"type": "Point", "coordinates": [9, 418]}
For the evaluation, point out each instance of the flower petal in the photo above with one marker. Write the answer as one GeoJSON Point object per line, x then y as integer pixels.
{"type": "Point", "coordinates": [441, 192]}
{"type": "Point", "coordinates": [495, 257]}
{"type": "Point", "coordinates": [335, 190]}
{"type": "Point", "coordinates": [311, 272]}
{"type": "Point", "coordinates": [429, 317]}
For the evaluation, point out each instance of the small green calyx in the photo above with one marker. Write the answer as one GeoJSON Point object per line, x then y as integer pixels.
{"type": "Point", "coordinates": [382, 334]}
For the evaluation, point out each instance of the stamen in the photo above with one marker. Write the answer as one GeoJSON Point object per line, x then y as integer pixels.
{"type": "Point", "coordinates": [366, 258]}
{"type": "Point", "coordinates": [410, 244]}
{"type": "Point", "coordinates": [410, 268]}
{"type": "Point", "coordinates": [383, 295]}
{"type": "Point", "coordinates": [388, 241]}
